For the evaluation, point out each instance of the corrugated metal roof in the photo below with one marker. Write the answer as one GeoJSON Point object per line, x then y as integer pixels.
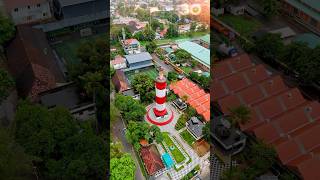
{"type": "Point", "coordinates": [206, 38]}
{"type": "Point", "coordinates": [304, 7]}
{"type": "Point", "coordinates": [140, 57]}
{"type": "Point", "coordinates": [198, 52]}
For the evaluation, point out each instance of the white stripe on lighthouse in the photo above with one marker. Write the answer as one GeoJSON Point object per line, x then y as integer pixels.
{"type": "Point", "coordinates": [160, 107]}
{"type": "Point", "coordinates": [161, 93]}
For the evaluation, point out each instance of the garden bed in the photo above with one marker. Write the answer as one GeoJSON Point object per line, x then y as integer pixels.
{"type": "Point", "coordinates": [187, 137]}
{"type": "Point", "coordinates": [175, 152]}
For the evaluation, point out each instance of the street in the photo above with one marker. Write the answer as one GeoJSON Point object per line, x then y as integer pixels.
{"type": "Point", "coordinates": [119, 134]}
{"type": "Point", "coordinates": [167, 68]}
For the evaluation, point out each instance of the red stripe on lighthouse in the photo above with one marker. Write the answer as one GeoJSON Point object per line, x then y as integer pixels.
{"type": "Point", "coordinates": [159, 113]}
{"type": "Point", "coordinates": [161, 85]}
{"type": "Point", "coordinates": [161, 100]}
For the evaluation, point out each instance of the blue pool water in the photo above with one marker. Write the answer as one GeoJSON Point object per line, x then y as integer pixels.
{"type": "Point", "coordinates": [168, 162]}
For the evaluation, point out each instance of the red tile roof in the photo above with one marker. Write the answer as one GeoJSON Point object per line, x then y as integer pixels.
{"type": "Point", "coordinates": [197, 98]}
{"type": "Point", "coordinates": [120, 82]}
{"type": "Point", "coordinates": [279, 115]}
{"type": "Point", "coordinates": [118, 60]}
{"type": "Point", "coordinates": [32, 62]}
{"type": "Point", "coordinates": [151, 159]}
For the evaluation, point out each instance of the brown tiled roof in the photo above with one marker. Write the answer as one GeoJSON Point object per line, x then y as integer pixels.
{"type": "Point", "coordinates": [151, 159]}
{"type": "Point", "coordinates": [120, 82]}
{"type": "Point", "coordinates": [279, 115]}
{"type": "Point", "coordinates": [32, 63]}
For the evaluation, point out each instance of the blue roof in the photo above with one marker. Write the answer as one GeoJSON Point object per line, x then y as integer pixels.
{"type": "Point", "coordinates": [198, 52]}
{"type": "Point", "coordinates": [168, 162]}
{"type": "Point", "coordinates": [140, 57]}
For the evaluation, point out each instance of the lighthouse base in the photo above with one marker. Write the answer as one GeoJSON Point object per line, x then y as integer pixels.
{"type": "Point", "coordinates": [159, 120]}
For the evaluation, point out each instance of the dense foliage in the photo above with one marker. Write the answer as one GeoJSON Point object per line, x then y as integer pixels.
{"type": "Point", "coordinates": [173, 31]}
{"type": "Point", "coordinates": [6, 84]}
{"type": "Point", "coordinates": [16, 164]}
{"type": "Point", "coordinates": [131, 109]}
{"type": "Point", "coordinates": [7, 29]}
{"type": "Point", "coordinates": [143, 84]}
{"type": "Point", "coordinates": [64, 148]}
{"type": "Point", "coordinates": [151, 47]}
{"type": "Point", "coordinates": [202, 80]}
{"type": "Point", "coordinates": [122, 167]}
{"type": "Point", "coordinates": [137, 131]}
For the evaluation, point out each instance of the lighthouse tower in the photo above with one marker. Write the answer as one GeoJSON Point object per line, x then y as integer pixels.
{"type": "Point", "coordinates": [158, 113]}
{"type": "Point", "coordinates": [161, 92]}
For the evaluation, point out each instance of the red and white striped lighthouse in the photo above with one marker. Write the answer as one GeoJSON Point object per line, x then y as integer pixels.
{"type": "Point", "coordinates": [158, 113]}
{"type": "Point", "coordinates": [161, 92]}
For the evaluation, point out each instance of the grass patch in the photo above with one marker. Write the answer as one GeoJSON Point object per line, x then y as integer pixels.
{"type": "Point", "coordinates": [176, 153]}
{"type": "Point", "coordinates": [151, 72]}
{"type": "Point", "coordinates": [244, 25]}
{"type": "Point", "coordinates": [181, 123]}
{"type": "Point", "coordinates": [68, 49]}
{"type": "Point", "coordinates": [192, 173]}
{"type": "Point", "coordinates": [187, 137]}
{"type": "Point", "coordinates": [186, 69]}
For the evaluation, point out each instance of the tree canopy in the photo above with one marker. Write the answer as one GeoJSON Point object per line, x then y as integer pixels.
{"type": "Point", "coordinates": [7, 29]}
{"type": "Point", "coordinates": [172, 31]}
{"type": "Point", "coordinates": [142, 83]}
{"type": "Point", "coordinates": [131, 109]}
{"type": "Point", "coordinates": [6, 84]}
{"type": "Point", "coordinates": [151, 47]}
{"type": "Point", "coordinates": [65, 149]}
{"type": "Point", "coordinates": [16, 164]}
{"type": "Point", "coordinates": [122, 168]}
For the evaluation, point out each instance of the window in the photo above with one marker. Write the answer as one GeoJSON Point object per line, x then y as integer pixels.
{"type": "Point", "coordinates": [38, 5]}
{"type": "Point", "coordinates": [44, 14]}
{"type": "Point", "coordinates": [16, 10]}
{"type": "Point", "coordinates": [28, 7]}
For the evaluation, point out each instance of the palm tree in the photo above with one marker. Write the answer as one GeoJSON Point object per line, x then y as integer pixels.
{"type": "Point", "coordinates": [240, 115]}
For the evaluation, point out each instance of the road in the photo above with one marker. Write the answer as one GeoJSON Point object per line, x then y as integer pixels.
{"type": "Point", "coordinates": [167, 68]}
{"type": "Point", "coordinates": [119, 134]}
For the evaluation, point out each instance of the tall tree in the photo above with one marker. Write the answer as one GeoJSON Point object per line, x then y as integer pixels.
{"type": "Point", "coordinates": [151, 47]}
{"type": "Point", "coordinates": [172, 31]}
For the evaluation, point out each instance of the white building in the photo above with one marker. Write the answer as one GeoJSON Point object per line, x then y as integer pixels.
{"type": "Point", "coordinates": [28, 11]}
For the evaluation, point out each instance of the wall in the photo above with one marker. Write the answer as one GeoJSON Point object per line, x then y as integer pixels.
{"type": "Point", "coordinates": [30, 14]}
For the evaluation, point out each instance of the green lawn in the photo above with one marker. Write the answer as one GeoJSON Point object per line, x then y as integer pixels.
{"type": "Point", "coordinates": [187, 137]}
{"type": "Point", "coordinates": [151, 72]}
{"type": "Point", "coordinates": [68, 49]}
{"type": "Point", "coordinates": [176, 153]}
{"type": "Point", "coordinates": [187, 70]}
{"type": "Point", "coordinates": [244, 25]}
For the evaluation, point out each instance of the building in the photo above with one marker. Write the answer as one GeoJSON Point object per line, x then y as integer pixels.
{"type": "Point", "coordinates": [28, 11]}
{"type": "Point", "coordinates": [310, 39]}
{"type": "Point", "coordinates": [138, 61]}
{"type": "Point", "coordinates": [118, 63]}
{"type": "Point", "coordinates": [280, 115]}
{"type": "Point", "coordinates": [131, 46]}
{"type": "Point", "coordinates": [199, 53]}
{"type": "Point", "coordinates": [205, 41]}
{"type": "Point", "coordinates": [226, 138]}
{"type": "Point", "coordinates": [180, 104]}
{"type": "Point", "coordinates": [68, 96]}
{"type": "Point", "coordinates": [194, 126]}
{"type": "Point", "coordinates": [152, 160]}
{"type": "Point", "coordinates": [305, 12]}
{"type": "Point", "coordinates": [197, 97]}
{"type": "Point", "coordinates": [77, 14]}
{"type": "Point", "coordinates": [120, 81]}
{"type": "Point", "coordinates": [32, 63]}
